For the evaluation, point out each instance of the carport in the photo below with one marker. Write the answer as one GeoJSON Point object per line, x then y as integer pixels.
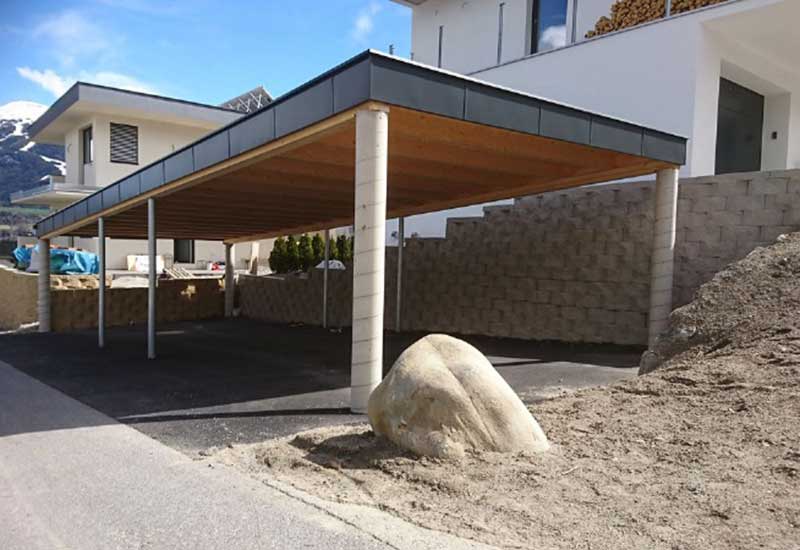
{"type": "Point", "coordinates": [374, 137]}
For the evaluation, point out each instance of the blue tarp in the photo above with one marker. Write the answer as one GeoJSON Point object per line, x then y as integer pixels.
{"type": "Point", "coordinates": [62, 262]}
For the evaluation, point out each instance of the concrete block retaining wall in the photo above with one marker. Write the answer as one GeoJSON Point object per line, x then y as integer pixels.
{"type": "Point", "coordinates": [176, 300]}
{"type": "Point", "coordinates": [569, 265]}
{"type": "Point", "coordinates": [17, 298]}
{"type": "Point", "coordinates": [76, 308]}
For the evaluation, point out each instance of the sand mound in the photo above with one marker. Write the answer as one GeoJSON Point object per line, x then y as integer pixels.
{"type": "Point", "coordinates": [703, 453]}
{"type": "Point", "coordinates": [751, 307]}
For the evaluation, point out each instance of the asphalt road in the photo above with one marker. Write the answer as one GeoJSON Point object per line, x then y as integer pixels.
{"type": "Point", "coordinates": [72, 478]}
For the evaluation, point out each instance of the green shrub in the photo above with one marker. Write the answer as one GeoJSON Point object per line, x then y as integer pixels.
{"type": "Point", "coordinates": [318, 248]}
{"type": "Point", "coordinates": [344, 248]}
{"type": "Point", "coordinates": [277, 258]}
{"type": "Point", "coordinates": [306, 252]}
{"type": "Point", "coordinates": [292, 254]}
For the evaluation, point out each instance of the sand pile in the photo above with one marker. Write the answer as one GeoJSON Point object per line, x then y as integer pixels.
{"type": "Point", "coordinates": [702, 453]}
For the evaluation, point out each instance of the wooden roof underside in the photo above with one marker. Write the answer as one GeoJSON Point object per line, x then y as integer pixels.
{"type": "Point", "coordinates": [304, 181]}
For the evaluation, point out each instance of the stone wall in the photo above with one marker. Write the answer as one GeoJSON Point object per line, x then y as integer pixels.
{"type": "Point", "coordinates": [176, 300]}
{"type": "Point", "coordinates": [298, 299]}
{"type": "Point", "coordinates": [17, 298]}
{"type": "Point", "coordinates": [569, 265]}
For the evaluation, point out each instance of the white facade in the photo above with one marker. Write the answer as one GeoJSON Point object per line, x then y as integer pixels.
{"type": "Point", "coordinates": [664, 74]}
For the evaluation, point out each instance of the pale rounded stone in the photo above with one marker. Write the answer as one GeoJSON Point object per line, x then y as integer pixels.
{"type": "Point", "coordinates": [443, 396]}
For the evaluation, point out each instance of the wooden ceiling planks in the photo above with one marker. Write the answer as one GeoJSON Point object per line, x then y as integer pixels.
{"type": "Point", "coordinates": [435, 163]}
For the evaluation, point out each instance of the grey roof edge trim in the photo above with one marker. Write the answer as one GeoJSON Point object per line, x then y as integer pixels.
{"type": "Point", "coordinates": [499, 87]}
{"type": "Point", "coordinates": [401, 65]}
{"type": "Point", "coordinates": [72, 96]}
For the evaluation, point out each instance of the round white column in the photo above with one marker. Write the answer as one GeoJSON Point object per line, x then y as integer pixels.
{"type": "Point", "coordinates": [372, 145]}
{"type": "Point", "coordinates": [663, 259]}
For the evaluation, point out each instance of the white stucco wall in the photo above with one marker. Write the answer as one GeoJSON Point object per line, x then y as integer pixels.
{"type": "Point", "coordinates": [156, 140]}
{"type": "Point", "coordinates": [470, 32]}
{"type": "Point", "coordinates": [644, 76]}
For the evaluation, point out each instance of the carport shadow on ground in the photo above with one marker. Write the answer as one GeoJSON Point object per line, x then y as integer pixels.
{"type": "Point", "coordinates": [240, 380]}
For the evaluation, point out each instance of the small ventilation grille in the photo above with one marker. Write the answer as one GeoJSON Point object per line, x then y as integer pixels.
{"type": "Point", "coordinates": [124, 143]}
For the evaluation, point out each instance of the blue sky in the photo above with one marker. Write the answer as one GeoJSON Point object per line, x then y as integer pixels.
{"type": "Point", "coordinates": [201, 50]}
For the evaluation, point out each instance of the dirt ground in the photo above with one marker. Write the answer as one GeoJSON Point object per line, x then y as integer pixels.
{"type": "Point", "coordinates": [702, 453]}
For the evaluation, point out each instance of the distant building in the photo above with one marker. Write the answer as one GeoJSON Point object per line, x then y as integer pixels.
{"type": "Point", "coordinates": [108, 133]}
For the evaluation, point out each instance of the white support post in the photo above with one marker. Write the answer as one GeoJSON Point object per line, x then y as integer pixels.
{"type": "Point", "coordinates": [325, 279]}
{"type": "Point", "coordinates": [230, 280]}
{"type": "Point", "coordinates": [401, 240]}
{"type": "Point", "coordinates": [151, 279]}
{"type": "Point", "coordinates": [372, 144]}
{"type": "Point", "coordinates": [663, 259]}
{"type": "Point", "coordinates": [101, 283]}
{"type": "Point", "coordinates": [43, 302]}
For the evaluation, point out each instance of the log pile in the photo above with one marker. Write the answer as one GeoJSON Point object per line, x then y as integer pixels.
{"type": "Point", "coordinates": [629, 13]}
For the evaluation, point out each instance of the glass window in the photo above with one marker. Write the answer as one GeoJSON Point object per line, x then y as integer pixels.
{"type": "Point", "coordinates": [88, 146]}
{"type": "Point", "coordinates": [549, 25]}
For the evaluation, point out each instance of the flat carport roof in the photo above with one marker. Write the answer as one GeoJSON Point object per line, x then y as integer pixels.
{"type": "Point", "coordinates": [453, 141]}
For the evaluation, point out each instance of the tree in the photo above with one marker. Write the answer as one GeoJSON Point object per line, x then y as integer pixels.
{"type": "Point", "coordinates": [343, 250]}
{"type": "Point", "coordinates": [292, 254]}
{"type": "Point", "coordinates": [318, 247]}
{"type": "Point", "coordinates": [306, 253]}
{"type": "Point", "coordinates": [277, 258]}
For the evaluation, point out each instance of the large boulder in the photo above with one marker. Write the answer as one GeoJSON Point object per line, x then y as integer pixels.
{"type": "Point", "coordinates": [442, 397]}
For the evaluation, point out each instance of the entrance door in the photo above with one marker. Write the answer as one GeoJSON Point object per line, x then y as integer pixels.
{"type": "Point", "coordinates": [740, 125]}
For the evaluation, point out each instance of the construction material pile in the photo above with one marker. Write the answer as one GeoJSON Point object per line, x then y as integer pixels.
{"type": "Point", "coordinates": [751, 308]}
{"type": "Point", "coordinates": [629, 13]}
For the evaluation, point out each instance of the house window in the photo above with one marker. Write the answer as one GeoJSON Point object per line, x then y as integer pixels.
{"type": "Point", "coordinates": [548, 25]}
{"type": "Point", "coordinates": [124, 143]}
{"type": "Point", "coordinates": [184, 251]}
{"type": "Point", "coordinates": [88, 145]}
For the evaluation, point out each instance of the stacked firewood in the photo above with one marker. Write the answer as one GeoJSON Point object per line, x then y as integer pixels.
{"type": "Point", "coordinates": [629, 13]}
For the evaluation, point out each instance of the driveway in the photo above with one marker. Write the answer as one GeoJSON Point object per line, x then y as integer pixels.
{"type": "Point", "coordinates": [225, 382]}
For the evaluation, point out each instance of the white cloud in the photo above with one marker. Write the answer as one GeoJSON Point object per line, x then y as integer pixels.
{"type": "Point", "coordinates": [553, 37]}
{"type": "Point", "coordinates": [47, 79]}
{"type": "Point", "coordinates": [57, 84]}
{"type": "Point", "coordinates": [69, 36]}
{"type": "Point", "coordinates": [365, 22]}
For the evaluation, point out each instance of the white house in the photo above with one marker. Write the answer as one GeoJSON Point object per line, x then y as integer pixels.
{"type": "Point", "coordinates": [725, 75]}
{"type": "Point", "coordinates": [109, 133]}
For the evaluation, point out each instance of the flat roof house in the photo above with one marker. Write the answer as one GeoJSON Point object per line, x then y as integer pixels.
{"type": "Point", "coordinates": [109, 133]}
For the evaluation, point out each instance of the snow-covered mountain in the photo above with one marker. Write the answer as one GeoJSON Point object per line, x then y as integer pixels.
{"type": "Point", "coordinates": [24, 163]}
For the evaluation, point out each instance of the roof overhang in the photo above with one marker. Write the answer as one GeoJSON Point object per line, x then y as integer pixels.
{"type": "Point", "coordinates": [453, 141]}
{"type": "Point", "coordinates": [84, 100]}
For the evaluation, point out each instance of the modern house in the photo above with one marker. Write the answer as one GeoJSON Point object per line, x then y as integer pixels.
{"type": "Point", "coordinates": [726, 73]}
{"type": "Point", "coordinates": [109, 133]}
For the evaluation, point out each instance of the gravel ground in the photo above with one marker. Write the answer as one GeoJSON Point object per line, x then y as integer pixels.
{"type": "Point", "coordinates": [702, 453]}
